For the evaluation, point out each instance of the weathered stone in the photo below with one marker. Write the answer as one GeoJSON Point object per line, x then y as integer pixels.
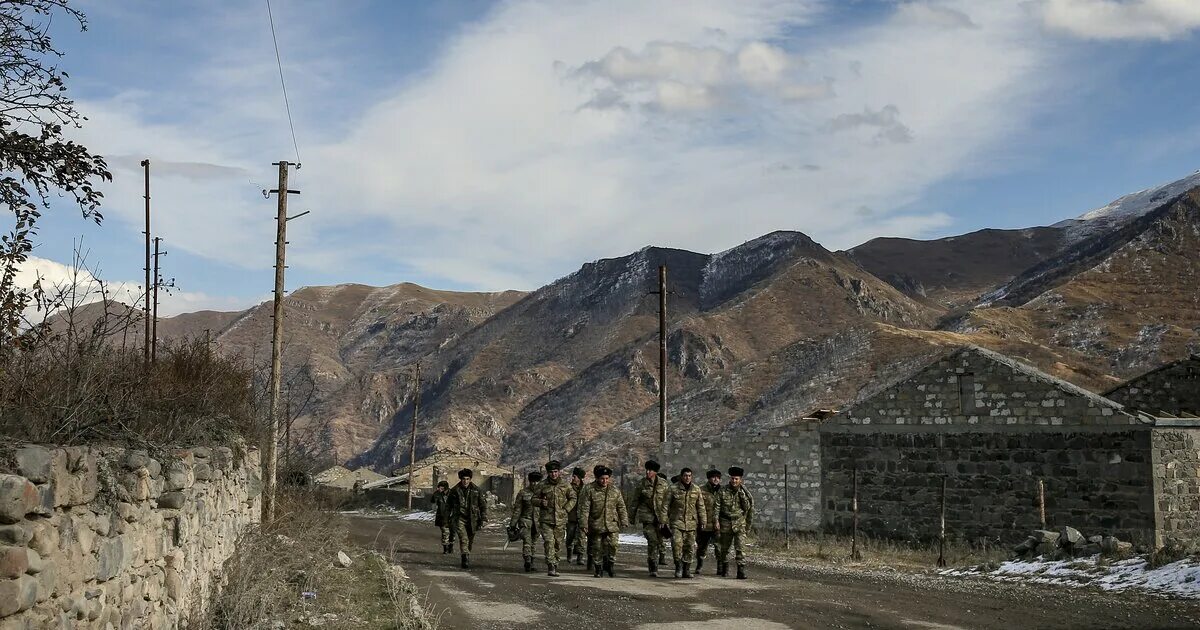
{"type": "Point", "coordinates": [14, 562]}
{"type": "Point", "coordinates": [253, 486]}
{"type": "Point", "coordinates": [202, 452]}
{"type": "Point", "coordinates": [44, 538]}
{"type": "Point", "coordinates": [18, 534]}
{"type": "Point", "coordinates": [136, 459]}
{"type": "Point", "coordinates": [1095, 539]}
{"type": "Point", "coordinates": [202, 472]}
{"type": "Point", "coordinates": [1069, 536]}
{"type": "Point", "coordinates": [1088, 549]}
{"type": "Point", "coordinates": [35, 562]}
{"type": "Point", "coordinates": [1042, 535]}
{"type": "Point", "coordinates": [18, 497]}
{"type": "Point", "coordinates": [1045, 549]}
{"type": "Point", "coordinates": [222, 458]}
{"type": "Point", "coordinates": [17, 595]}
{"type": "Point", "coordinates": [33, 462]}
{"type": "Point", "coordinates": [113, 556]}
{"type": "Point", "coordinates": [179, 477]}
{"type": "Point", "coordinates": [342, 560]}
{"type": "Point", "coordinates": [173, 584]}
{"type": "Point", "coordinates": [172, 500]}
{"type": "Point", "coordinates": [47, 580]}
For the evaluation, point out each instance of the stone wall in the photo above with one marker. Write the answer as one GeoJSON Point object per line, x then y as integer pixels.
{"type": "Point", "coordinates": [1173, 389]}
{"type": "Point", "coordinates": [1098, 481]}
{"type": "Point", "coordinates": [763, 456]}
{"type": "Point", "coordinates": [1176, 460]}
{"type": "Point", "coordinates": [112, 538]}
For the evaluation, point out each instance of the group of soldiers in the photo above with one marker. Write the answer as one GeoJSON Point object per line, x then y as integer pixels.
{"type": "Point", "coordinates": [574, 518]}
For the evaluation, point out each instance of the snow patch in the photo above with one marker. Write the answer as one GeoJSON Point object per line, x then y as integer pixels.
{"type": "Point", "coordinates": [1126, 208]}
{"type": "Point", "coordinates": [1178, 579]}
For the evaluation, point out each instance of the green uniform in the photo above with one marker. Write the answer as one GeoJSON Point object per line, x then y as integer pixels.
{"type": "Point", "coordinates": [556, 500]}
{"type": "Point", "coordinates": [602, 515]}
{"type": "Point", "coordinates": [525, 515]}
{"type": "Point", "coordinates": [441, 515]}
{"type": "Point", "coordinates": [574, 540]}
{"type": "Point", "coordinates": [468, 513]}
{"type": "Point", "coordinates": [650, 509]}
{"type": "Point", "coordinates": [687, 517]}
{"type": "Point", "coordinates": [735, 513]}
{"type": "Point", "coordinates": [706, 536]}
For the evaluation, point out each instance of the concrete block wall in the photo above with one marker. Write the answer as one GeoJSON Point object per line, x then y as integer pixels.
{"type": "Point", "coordinates": [98, 537]}
{"type": "Point", "coordinates": [763, 456]}
{"type": "Point", "coordinates": [1176, 471]}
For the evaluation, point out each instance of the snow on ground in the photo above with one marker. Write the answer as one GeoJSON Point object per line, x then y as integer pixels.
{"type": "Point", "coordinates": [636, 540]}
{"type": "Point", "coordinates": [418, 516]}
{"type": "Point", "coordinates": [1126, 208]}
{"type": "Point", "coordinates": [1177, 579]}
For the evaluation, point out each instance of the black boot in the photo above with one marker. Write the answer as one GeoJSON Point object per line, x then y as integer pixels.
{"type": "Point", "coordinates": [687, 569]}
{"type": "Point", "coordinates": [528, 564]}
{"type": "Point", "coordinates": [699, 563]}
{"type": "Point", "coordinates": [578, 559]}
{"type": "Point", "coordinates": [466, 561]}
{"type": "Point", "coordinates": [592, 563]}
{"type": "Point", "coordinates": [599, 569]}
{"type": "Point", "coordinates": [741, 572]}
{"type": "Point", "coordinates": [653, 568]}
{"type": "Point", "coordinates": [662, 557]}
{"type": "Point", "coordinates": [678, 569]}
{"type": "Point", "coordinates": [721, 568]}
{"type": "Point", "coordinates": [608, 567]}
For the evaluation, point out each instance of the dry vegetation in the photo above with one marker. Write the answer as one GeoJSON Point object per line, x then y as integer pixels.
{"type": "Point", "coordinates": [833, 549]}
{"type": "Point", "coordinates": [286, 576]}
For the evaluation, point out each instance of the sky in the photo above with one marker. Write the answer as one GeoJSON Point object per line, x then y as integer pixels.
{"type": "Point", "coordinates": [491, 145]}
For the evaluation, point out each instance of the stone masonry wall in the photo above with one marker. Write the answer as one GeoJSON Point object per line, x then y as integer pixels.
{"type": "Point", "coordinates": [97, 537]}
{"type": "Point", "coordinates": [763, 456]}
{"type": "Point", "coordinates": [1173, 389]}
{"type": "Point", "coordinates": [1095, 481]}
{"type": "Point", "coordinates": [1176, 456]}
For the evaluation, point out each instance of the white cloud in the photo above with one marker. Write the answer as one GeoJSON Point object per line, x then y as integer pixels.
{"type": "Point", "coordinates": [1124, 19]}
{"type": "Point", "coordinates": [886, 121]}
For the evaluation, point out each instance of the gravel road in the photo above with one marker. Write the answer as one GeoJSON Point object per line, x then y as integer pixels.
{"type": "Point", "coordinates": [496, 594]}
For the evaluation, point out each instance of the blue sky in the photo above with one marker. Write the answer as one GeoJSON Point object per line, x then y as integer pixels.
{"type": "Point", "coordinates": [491, 145]}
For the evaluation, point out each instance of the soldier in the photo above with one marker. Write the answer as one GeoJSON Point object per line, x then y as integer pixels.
{"type": "Point", "coordinates": [574, 540]}
{"type": "Point", "coordinates": [602, 516]}
{"type": "Point", "coordinates": [707, 535]}
{"type": "Point", "coordinates": [556, 499]}
{"type": "Point", "coordinates": [468, 513]}
{"type": "Point", "coordinates": [441, 515]}
{"type": "Point", "coordinates": [525, 516]}
{"type": "Point", "coordinates": [735, 511]}
{"type": "Point", "coordinates": [650, 508]}
{"type": "Point", "coordinates": [687, 515]}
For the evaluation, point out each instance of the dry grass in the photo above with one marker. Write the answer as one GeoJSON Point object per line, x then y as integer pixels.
{"type": "Point", "coordinates": [834, 549]}
{"type": "Point", "coordinates": [265, 582]}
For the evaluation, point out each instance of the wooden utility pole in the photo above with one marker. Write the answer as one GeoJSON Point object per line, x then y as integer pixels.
{"type": "Point", "coordinates": [146, 307]}
{"type": "Point", "coordinates": [412, 446]}
{"type": "Point", "coordinates": [270, 466]}
{"type": "Point", "coordinates": [154, 313]}
{"type": "Point", "coordinates": [662, 353]}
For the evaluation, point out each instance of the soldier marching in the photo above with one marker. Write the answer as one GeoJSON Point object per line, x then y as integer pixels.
{"type": "Point", "coordinates": [574, 517]}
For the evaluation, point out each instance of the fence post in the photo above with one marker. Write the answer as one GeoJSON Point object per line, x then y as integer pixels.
{"type": "Point", "coordinates": [854, 554]}
{"type": "Point", "coordinates": [787, 504]}
{"type": "Point", "coordinates": [1042, 502]}
{"type": "Point", "coordinates": [941, 561]}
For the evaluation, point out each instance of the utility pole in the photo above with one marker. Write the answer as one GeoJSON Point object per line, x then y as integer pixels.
{"type": "Point", "coordinates": [154, 316]}
{"type": "Point", "coordinates": [412, 446]}
{"type": "Point", "coordinates": [281, 219]}
{"type": "Point", "coordinates": [146, 307]}
{"type": "Point", "coordinates": [662, 353]}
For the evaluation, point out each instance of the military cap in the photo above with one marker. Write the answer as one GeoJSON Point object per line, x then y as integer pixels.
{"type": "Point", "coordinates": [535, 476]}
{"type": "Point", "coordinates": [465, 473]}
{"type": "Point", "coordinates": [600, 470]}
{"type": "Point", "coordinates": [675, 479]}
{"type": "Point", "coordinates": [685, 471]}
{"type": "Point", "coordinates": [579, 472]}
{"type": "Point", "coordinates": [443, 484]}
{"type": "Point", "coordinates": [713, 473]}
{"type": "Point", "coordinates": [553, 465]}
{"type": "Point", "coordinates": [652, 465]}
{"type": "Point", "coordinates": [735, 471]}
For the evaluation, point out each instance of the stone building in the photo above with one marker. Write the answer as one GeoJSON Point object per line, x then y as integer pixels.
{"type": "Point", "coordinates": [1171, 390]}
{"type": "Point", "coordinates": [994, 428]}
{"type": "Point", "coordinates": [444, 466]}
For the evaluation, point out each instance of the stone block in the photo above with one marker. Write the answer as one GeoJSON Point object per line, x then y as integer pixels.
{"type": "Point", "coordinates": [17, 595]}
{"type": "Point", "coordinates": [14, 562]}
{"type": "Point", "coordinates": [33, 462]}
{"type": "Point", "coordinates": [172, 500]}
{"type": "Point", "coordinates": [18, 497]}
{"type": "Point", "coordinates": [203, 472]}
{"type": "Point", "coordinates": [114, 555]}
{"type": "Point", "coordinates": [18, 534]}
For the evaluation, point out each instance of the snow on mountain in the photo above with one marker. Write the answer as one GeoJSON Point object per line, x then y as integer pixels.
{"type": "Point", "coordinates": [1125, 209]}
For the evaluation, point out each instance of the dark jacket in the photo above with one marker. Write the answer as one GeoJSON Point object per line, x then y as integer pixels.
{"type": "Point", "coordinates": [467, 504]}
{"type": "Point", "coordinates": [441, 511]}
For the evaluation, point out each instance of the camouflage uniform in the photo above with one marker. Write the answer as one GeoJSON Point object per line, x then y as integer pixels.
{"type": "Point", "coordinates": [735, 511]}
{"type": "Point", "coordinates": [602, 515]}
{"type": "Point", "coordinates": [707, 535]}
{"type": "Point", "coordinates": [556, 500]}
{"type": "Point", "coordinates": [687, 515]}
{"type": "Point", "coordinates": [468, 513]}
{"type": "Point", "coordinates": [574, 540]}
{"type": "Point", "coordinates": [525, 515]}
{"type": "Point", "coordinates": [583, 536]}
{"type": "Point", "coordinates": [650, 509]}
{"type": "Point", "coordinates": [441, 517]}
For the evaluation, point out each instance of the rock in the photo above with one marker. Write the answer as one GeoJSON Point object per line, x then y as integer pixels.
{"type": "Point", "coordinates": [173, 584]}
{"type": "Point", "coordinates": [35, 562]}
{"type": "Point", "coordinates": [203, 472]}
{"type": "Point", "coordinates": [14, 562]}
{"type": "Point", "coordinates": [1045, 549]}
{"type": "Point", "coordinates": [1087, 549]}
{"type": "Point", "coordinates": [253, 485]}
{"type": "Point", "coordinates": [45, 537]}
{"type": "Point", "coordinates": [202, 452]}
{"type": "Point", "coordinates": [222, 458]}
{"type": "Point", "coordinates": [172, 500]}
{"type": "Point", "coordinates": [137, 459]}
{"type": "Point", "coordinates": [17, 534]}
{"type": "Point", "coordinates": [1069, 536]}
{"type": "Point", "coordinates": [18, 497]}
{"type": "Point", "coordinates": [33, 462]}
{"type": "Point", "coordinates": [1095, 539]}
{"type": "Point", "coordinates": [1042, 535]}
{"type": "Point", "coordinates": [179, 477]}
{"type": "Point", "coordinates": [17, 595]}
{"type": "Point", "coordinates": [1028, 545]}
{"type": "Point", "coordinates": [113, 556]}
{"type": "Point", "coordinates": [342, 560]}
{"type": "Point", "coordinates": [47, 580]}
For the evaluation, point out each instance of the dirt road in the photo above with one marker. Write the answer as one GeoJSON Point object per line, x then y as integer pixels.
{"type": "Point", "coordinates": [495, 593]}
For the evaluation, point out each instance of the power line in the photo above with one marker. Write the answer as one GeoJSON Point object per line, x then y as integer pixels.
{"type": "Point", "coordinates": [287, 105]}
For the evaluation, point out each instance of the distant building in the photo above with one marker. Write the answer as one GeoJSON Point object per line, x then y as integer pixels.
{"type": "Point", "coordinates": [444, 466]}
{"type": "Point", "coordinates": [1171, 390]}
{"type": "Point", "coordinates": [341, 477]}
